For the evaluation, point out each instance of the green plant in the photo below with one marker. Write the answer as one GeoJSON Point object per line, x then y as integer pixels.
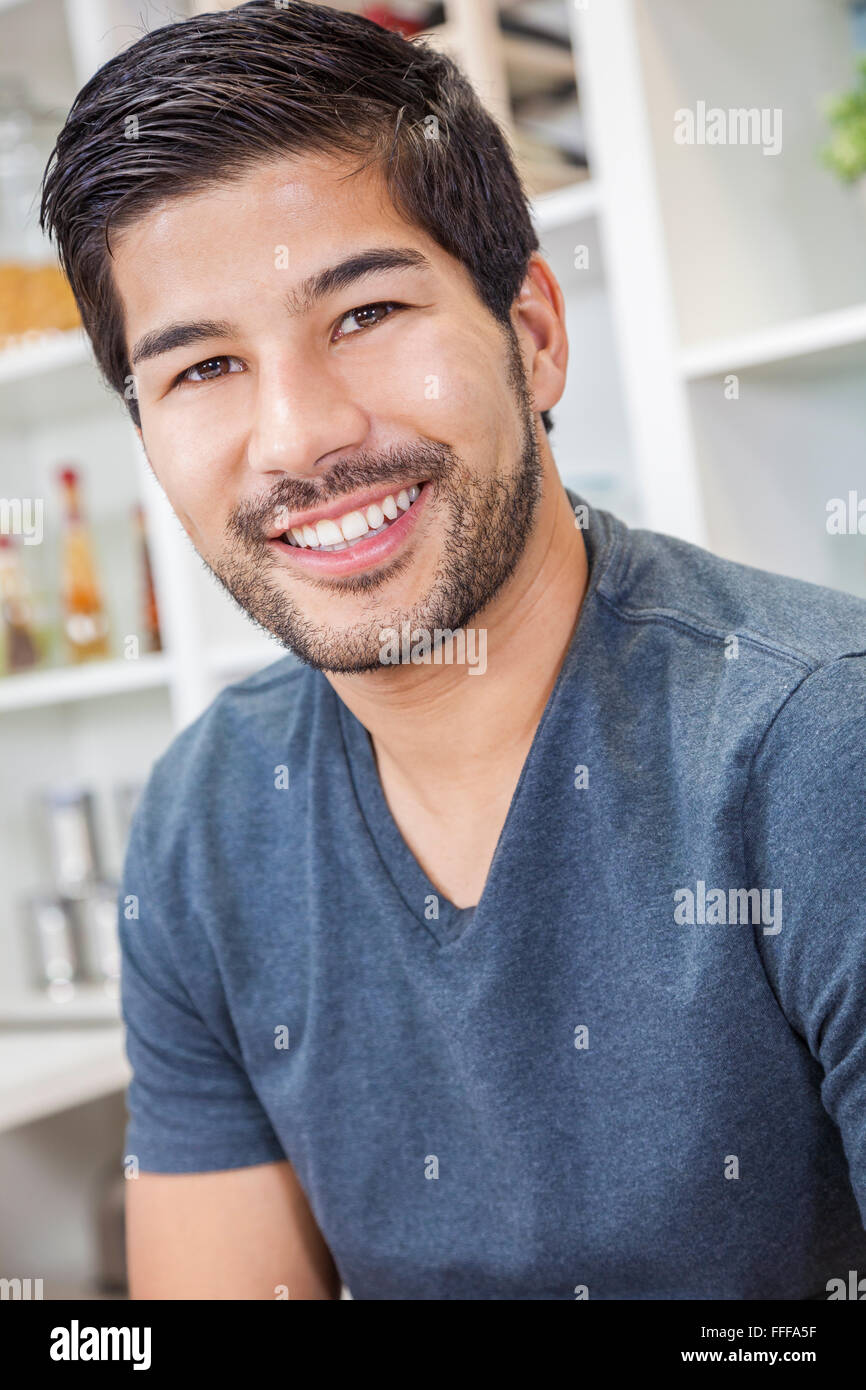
{"type": "Point", "coordinates": [846, 152]}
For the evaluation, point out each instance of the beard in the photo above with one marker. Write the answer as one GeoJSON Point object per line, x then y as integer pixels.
{"type": "Point", "coordinates": [487, 522]}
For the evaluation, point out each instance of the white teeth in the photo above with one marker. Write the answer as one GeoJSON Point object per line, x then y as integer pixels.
{"type": "Point", "coordinates": [353, 525]}
{"type": "Point", "coordinates": [336, 533]}
{"type": "Point", "coordinates": [328, 532]}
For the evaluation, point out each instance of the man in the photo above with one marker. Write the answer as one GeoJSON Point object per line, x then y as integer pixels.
{"type": "Point", "coordinates": [510, 944]}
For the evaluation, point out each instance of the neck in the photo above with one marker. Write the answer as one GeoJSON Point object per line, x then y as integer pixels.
{"type": "Point", "coordinates": [442, 730]}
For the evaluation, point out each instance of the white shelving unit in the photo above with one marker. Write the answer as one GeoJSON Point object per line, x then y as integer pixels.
{"type": "Point", "coordinates": [784, 342]}
{"type": "Point", "coordinates": [91, 682]}
{"type": "Point", "coordinates": [699, 262]}
{"type": "Point", "coordinates": [45, 1072]}
{"type": "Point", "coordinates": [767, 269]}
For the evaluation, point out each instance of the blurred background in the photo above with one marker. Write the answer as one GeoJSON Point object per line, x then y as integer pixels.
{"type": "Point", "coordinates": [698, 176]}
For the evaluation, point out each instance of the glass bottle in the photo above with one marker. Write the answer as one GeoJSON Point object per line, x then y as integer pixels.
{"type": "Point", "coordinates": [149, 609]}
{"type": "Point", "coordinates": [85, 622]}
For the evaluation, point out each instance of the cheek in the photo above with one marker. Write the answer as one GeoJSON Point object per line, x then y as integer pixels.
{"type": "Point", "coordinates": [452, 386]}
{"type": "Point", "coordinates": [188, 465]}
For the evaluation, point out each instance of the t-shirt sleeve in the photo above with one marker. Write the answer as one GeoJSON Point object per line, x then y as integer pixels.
{"type": "Point", "coordinates": [191, 1105]}
{"type": "Point", "coordinates": [804, 824]}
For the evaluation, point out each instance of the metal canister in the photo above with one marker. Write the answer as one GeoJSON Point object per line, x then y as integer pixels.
{"type": "Point", "coordinates": [95, 917]}
{"type": "Point", "coordinates": [126, 795]}
{"type": "Point", "coordinates": [75, 862]}
{"type": "Point", "coordinates": [50, 941]}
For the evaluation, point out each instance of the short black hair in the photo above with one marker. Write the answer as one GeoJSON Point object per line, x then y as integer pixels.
{"type": "Point", "coordinates": [200, 101]}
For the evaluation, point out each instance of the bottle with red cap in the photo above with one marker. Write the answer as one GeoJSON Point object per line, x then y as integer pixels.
{"type": "Point", "coordinates": [85, 621]}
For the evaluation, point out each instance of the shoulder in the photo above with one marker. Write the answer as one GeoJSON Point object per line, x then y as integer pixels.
{"type": "Point", "coordinates": [218, 764]}
{"type": "Point", "coordinates": [653, 577]}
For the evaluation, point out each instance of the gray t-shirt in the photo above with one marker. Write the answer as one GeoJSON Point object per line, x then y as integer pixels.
{"type": "Point", "coordinates": [620, 1075]}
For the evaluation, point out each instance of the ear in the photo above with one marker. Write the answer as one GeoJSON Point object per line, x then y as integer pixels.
{"type": "Point", "coordinates": [538, 315]}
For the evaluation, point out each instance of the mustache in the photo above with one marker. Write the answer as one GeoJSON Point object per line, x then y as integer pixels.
{"type": "Point", "coordinates": [428, 460]}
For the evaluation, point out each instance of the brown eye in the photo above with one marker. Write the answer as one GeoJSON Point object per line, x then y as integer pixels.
{"type": "Point", "coordinates": [365, 316]}
{"type": "Point", "coordinates": [208, 370]}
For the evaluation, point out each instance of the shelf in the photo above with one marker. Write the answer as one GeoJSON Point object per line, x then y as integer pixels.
{"type": "Point", "coordinates": [800, 338]}
{"type": "Point", "coordinates": [61, 685]}
{"type": "Point", "coordinates": [50, 380]}
{"type": "Point", "coordinates": [538, 56]}
{"type": "Point", "coordinates": [47, 353]}
{"type": "Point", "coordinates": [752, 241]}
{"type": "Point", "coordinates": [563, 205]}
{"type": "Point", "coordinates": [88, 1004]}
{"type": "Point", "coordinates": [46, 1071]}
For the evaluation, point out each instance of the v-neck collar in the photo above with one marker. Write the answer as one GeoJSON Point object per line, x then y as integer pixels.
{"type": "Point", "coordinates": [443, 921]}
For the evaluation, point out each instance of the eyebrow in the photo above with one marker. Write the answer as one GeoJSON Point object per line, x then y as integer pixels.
{"type": "Point", "coordinates": [298, 301]}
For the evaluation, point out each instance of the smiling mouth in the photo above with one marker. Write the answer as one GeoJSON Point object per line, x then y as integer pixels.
{"type": "Point", "coordinates": [346, 531]}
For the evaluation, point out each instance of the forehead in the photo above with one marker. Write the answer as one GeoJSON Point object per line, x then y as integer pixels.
{"type": "Point", "coordinates": [275, 224]}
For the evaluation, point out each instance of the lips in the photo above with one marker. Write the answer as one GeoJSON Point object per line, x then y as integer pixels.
{"type": "Point", "coordinates": [319, 552]}
{"type": "Point", "coordinates": [285, 522]}
{"type": "Point", "coordinates": [336, 532]}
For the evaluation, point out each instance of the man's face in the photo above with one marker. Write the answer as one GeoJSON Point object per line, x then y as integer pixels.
{"type": "Point", "coordinates": [384, 400]}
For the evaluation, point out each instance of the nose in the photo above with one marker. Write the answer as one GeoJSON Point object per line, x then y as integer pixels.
{"type": "Point", "coordinates": [303, 414]}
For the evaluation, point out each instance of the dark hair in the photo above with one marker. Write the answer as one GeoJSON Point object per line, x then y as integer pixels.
{"type": "Point", "coordinates": [203, 100]}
